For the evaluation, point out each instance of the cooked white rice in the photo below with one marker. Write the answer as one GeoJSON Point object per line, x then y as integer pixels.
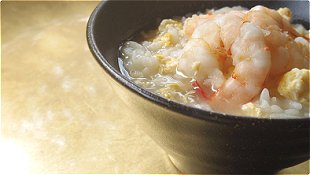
{"type": "Point", "coordinates": [273, 107]}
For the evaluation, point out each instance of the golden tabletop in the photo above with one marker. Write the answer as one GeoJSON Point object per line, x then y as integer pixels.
{"type": "Point", "coordinates": [58, 112]}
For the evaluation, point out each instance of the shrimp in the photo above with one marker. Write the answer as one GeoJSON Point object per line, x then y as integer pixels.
{"type": "Point", "coordinates": [200, 61]}
{"type": "Point", "coordinates": [217, 30]}
{"type": "Point", "coordinates": [286, 53]}
{"type": "Point", "coordinates": [258, 45]}
{"type": "Point", "coordinates": [230, 24]}
{"type": "Point", "coordinates": [252, 63]}
{"type": "Point", "coordinates": [209, 31]}
{"type": "Point", "coordinates": [223, 34]}
{"type": "Point", "coordinates": [191, 23]}
{"type": "Point", "coordinates": [266, 18]}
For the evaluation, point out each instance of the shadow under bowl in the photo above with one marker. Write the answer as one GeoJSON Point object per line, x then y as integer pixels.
{"type": "Point", "coordinates": [197, 141]}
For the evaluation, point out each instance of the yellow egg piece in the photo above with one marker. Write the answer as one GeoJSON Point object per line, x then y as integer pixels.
{"type": "Point", "coordinates": [251, 109]}
{"type": "Point", "coordinates": [169, 23]}
{"type": "Point", "coordinates": [167, 39]}
{"type": "Point", "coordinates": [294, 85]}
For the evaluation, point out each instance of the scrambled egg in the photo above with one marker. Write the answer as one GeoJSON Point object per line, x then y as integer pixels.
{"type": "Point", "coordinates": [170, 91]}
{"type": "Point", "coordinates": [294, 85]}
{"type": "Point", "coordinates": [252, 110]}
{"type": "Point", "coordinates": [169, 23]}
{"type": "Point", "coordinates": [167, 65]}
{"type": "Point", "coordinates": [176, 92]}
{"type": "Point", "coordinates": [167, 40]}
{"type": "Point", "coordinates": [168, 30]}
{"type": "Point", "coordinates": [286, 13]}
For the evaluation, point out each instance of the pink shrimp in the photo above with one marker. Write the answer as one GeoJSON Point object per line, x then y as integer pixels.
{"type": "Point", "coordinates": [256, 44]}
{"type": "Point", "coordinates": [266, 18]}
{"type": "Point", "coordinates": [252, 64]}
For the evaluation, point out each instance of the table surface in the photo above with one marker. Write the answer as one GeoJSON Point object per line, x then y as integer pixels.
{"type": "Point", "coordinates": [58, 112]}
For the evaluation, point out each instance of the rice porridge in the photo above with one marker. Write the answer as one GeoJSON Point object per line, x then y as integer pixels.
{"type": "Point", "coordinates": [232, 60]}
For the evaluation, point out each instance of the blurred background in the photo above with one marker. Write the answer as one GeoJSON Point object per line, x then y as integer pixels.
{"type": "Point", "coordinates": [58, 112]}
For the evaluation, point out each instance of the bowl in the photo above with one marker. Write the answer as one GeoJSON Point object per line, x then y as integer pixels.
{"type": "Point", "coordinates": [196, 141]}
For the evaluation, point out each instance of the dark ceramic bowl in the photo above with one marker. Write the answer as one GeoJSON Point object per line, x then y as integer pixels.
{"type": "Point", "coordinates": [197, 141]}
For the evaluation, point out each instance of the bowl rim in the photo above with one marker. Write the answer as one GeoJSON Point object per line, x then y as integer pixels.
{"type": "Point", "coordinates": [185, 110]}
